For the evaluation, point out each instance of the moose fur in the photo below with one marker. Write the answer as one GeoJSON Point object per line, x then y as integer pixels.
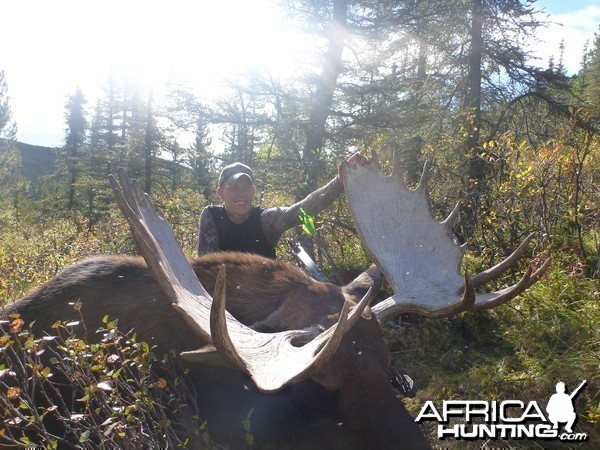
{"type": "Point", "coordinates": [347, 404]}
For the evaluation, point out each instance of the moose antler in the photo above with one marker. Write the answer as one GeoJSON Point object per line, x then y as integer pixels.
{"type": "Point", "coordinates": [270, 359]}
{"type": "Point", "coordinates": [416, 253]}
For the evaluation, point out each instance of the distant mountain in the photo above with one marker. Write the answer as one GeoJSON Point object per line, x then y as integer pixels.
{"type": "Point", "coordinates": [36, 161]}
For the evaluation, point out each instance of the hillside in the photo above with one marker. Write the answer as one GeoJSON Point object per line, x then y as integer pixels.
{"type": "Point", "coordinates": [36, 161]}
{"type": "Point", "coordinates": [39, 161]}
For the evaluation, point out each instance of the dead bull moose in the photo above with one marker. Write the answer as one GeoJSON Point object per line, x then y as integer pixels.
{"type": "Point", "coordinates": [296, 339]}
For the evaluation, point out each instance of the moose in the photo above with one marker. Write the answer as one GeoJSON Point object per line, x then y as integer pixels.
{"type": "Point", "coordinates": [308, 356]}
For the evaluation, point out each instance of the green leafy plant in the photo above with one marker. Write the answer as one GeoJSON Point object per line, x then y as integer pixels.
{"type": "Point", "coordinates": [61, 391]}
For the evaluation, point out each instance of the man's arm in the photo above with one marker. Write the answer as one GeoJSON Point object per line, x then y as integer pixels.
{"type": "Point", "coordinates": [208, 240]}
{"type": "Point", "coordinates": [276, 221]}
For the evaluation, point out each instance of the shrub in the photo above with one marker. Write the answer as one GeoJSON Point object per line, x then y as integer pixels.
{"type": "Point", "coordinates": [61, 391]}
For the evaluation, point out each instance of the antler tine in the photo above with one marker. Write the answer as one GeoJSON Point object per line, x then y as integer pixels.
{"type": "Point", "coordinates": [424, 181]}
{"type": "Point", "coordinates": [449, 221]}
{"type": "Point", "coordinates": [267, 374]}
{"type": "Point", "coordinates": [509, 262]}
{"type": "Point", "coordinates": [399, 304]}
{"type": "Point", "coordinates": [271, 359]}
{"type": "Point", "coordinates": [497, 298]}
{"type": "Point", "coordinates": [218, 322]}
{"type": "Point", "coordinates": [348, 317]}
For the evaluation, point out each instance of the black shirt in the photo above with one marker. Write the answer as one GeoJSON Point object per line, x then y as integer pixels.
{"type": "Point", "coordinates": [247, 236]}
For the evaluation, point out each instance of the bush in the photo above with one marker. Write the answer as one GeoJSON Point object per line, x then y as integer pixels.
{"type": "Point", "coordinates": [32, 254]}
{"type": "Point", "coordinates": [60, 391]}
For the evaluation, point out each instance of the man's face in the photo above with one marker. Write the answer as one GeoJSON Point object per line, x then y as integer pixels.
{"type": "Point", "coordinates": [238, 198]}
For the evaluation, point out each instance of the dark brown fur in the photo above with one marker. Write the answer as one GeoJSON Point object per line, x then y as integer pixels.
{"type": "Point", "coordinates": [269, 296]}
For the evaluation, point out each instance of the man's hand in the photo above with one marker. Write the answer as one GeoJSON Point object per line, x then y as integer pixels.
{"type": "Point", "coordinates": [354, 159]}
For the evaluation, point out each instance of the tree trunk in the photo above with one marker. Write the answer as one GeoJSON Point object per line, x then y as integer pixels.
{"type": "Point", "coordinates": [476, 167]}
{"type": "Point", "coordinates": [72, 157]}
{"type": "Point", "coordinates": [148, 145]}
{"type": "Point", "coordinates": [323, 100]}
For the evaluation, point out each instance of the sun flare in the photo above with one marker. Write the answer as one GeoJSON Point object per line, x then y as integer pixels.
{"type": "Point", "coordinates": [198, 41]}
{"type": "Point", "coordinates": [67, 45]}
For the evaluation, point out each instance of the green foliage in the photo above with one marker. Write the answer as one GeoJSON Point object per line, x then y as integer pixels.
{"type": "Point", "coordinates": [247, 424]}
{"type": "Point", "coordinates": [182, 208]}
{"type": "Point", "coordinates": [7, 125]}
{"type": "Point", "coordinates": [589, 77]}
{"type": "Point", "coordinates": [30, 255]}
{"type": "Point", "coordinates": [120, 397]}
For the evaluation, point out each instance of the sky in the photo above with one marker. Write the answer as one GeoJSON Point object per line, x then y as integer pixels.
{"type": "Point", "coordinates": [51, 47]}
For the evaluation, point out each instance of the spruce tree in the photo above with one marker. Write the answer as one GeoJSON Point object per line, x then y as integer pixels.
{"type": "Point", "coordinates": [74, 150]}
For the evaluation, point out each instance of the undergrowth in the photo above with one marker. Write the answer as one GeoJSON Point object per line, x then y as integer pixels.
{"type": "Point", "coordinates": [516, 351]}
{"type": "Point", "coordinates": [60, 391]}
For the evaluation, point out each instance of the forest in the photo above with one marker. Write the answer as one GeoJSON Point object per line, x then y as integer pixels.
{"type": "Point", "coordinates": [517, 144]}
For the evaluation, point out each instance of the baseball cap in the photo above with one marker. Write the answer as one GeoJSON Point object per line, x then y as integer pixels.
{"type": "Point", "coordinates": [232, 172]}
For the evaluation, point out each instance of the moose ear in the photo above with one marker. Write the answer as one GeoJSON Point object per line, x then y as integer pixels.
{"type": "Point", "coordinates": [207, 355]}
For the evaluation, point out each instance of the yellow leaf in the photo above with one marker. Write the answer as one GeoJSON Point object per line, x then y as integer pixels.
{"type": "Point", "coordinates": [13, 393]}
{"type": "Point", "coordinates": [16, 325]}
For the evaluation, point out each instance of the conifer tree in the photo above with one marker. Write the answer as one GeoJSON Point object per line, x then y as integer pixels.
{"type": "Point", "coordinates": [74, 143]}
{"type": "Point", "coordinates": [199, 158]}
{"type": "Point", "coordinates": [591, 72]}
{"type": "Point", "coordinates": [10, 160]}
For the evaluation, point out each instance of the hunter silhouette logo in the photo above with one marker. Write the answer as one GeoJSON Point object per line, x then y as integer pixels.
{"type": "Point", "coordinates": [560, 407]}
{"type": "Point", "coordinates": [507, 419]}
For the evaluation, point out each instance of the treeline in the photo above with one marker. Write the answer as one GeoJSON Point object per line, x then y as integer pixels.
{"type": "Point", "coordinates": [449, 82]}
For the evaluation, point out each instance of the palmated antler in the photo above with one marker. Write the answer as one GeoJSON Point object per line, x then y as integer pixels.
{"type": "Point", "coordinates": [272, 360]}
{"type": "Point", "coordinates": [416, 253]}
